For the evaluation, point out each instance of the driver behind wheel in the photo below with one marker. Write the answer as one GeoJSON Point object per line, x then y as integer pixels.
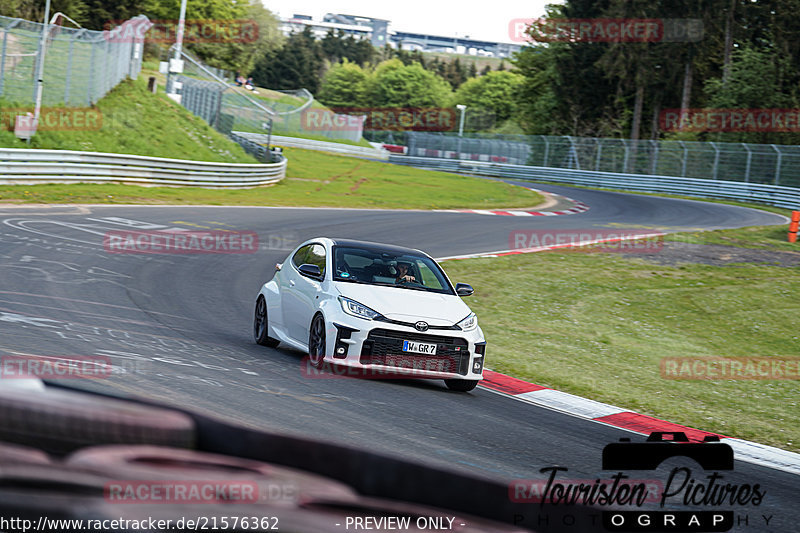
{"type": "Point", "coordinates": [402, 273]}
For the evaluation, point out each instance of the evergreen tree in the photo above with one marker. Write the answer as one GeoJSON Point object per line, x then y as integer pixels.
{"type": "Point", "coordinates": [297, 64]}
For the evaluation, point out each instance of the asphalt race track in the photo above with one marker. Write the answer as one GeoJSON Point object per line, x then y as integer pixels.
{"type": "Point", "coordinates": [180, 328]}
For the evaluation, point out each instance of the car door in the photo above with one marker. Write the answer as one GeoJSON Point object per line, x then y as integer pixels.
{"type": "Point", "coordinates": [289, 292]}
{"type": "Point", "coordinates": [303, 291]}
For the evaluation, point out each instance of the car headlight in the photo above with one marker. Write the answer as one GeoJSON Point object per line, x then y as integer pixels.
{"type": "Point", "coordinates": [352, 307]}
{"type": "Point", "coordinates": [469, 323]}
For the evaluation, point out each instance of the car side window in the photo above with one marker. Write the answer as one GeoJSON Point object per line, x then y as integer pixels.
{"type": "Point", "coordinates": [299, 256]}
{"type": "Point", "coordinates": [429, 279]}
{"type": "Point", "coordinates": [316, 256]}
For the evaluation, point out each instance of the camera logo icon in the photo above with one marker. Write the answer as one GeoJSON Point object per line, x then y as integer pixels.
{"type": "Point", "coordinates": [711, 454]}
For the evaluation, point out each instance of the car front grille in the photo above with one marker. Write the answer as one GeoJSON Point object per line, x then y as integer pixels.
{"type": "Point", "coordinates": [385, 347]}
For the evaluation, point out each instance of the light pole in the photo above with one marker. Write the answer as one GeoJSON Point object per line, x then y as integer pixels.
{"type": "Point", "coordinates": [463, 110]}
{"type": "Point", "coordinates": [181, 26]}
{"type": "Point", "coordinates": [175, 63]}
{"type": "Point", "coordinates": [40, 70]}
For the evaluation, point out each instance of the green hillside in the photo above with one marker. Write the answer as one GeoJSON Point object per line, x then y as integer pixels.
{"type": "Point", "coordinates": [134, 121]}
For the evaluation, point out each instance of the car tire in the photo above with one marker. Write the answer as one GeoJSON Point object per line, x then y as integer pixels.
{"type": "Point", "coordinates": [316, 341]}
{"type": "Point", "coordinates": [260, 325]}
{"type": "Point", "coordinates": [461, 385]}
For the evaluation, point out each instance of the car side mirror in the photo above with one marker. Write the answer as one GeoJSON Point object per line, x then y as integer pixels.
{"type": "Point", "coordinates": [463, 289]}
{"type": "Point", "coordinates": [312, 271]}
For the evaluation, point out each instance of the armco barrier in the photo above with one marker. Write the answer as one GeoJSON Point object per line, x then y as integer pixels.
{"type": "Point", "coordinates": [20, 166]}
{"type": "Point", "coordinates": [311, 144]}
{"type": "Point", "coordinates": [776, 195]}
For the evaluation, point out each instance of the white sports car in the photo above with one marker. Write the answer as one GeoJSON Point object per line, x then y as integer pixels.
{"type": "Point", "coordinates": [375, 307]}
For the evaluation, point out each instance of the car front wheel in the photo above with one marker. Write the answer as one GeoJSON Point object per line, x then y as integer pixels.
{"type": "Point", "coordinates": [316, 341]}
{"type": "Point", "coordinates": [461, 385]}
{"type": "Point", "coordinates": [260, 328]}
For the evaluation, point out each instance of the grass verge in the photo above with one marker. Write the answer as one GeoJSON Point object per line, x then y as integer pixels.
{"type": "Point", "coordinates": [767, 238]}
{"type": "Point", "coordinates": [598, 325]}
{"type": "Point", "coordinates": [313, 179]}
{"type": "Point", "coordinates": [363, 142]}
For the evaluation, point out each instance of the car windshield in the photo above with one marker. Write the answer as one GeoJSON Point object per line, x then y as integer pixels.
{"type": "Point", "coordinates": [375, 266]}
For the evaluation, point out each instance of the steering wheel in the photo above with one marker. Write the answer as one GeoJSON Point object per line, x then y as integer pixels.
{"type": "Point", "coordinates": [343, 272]}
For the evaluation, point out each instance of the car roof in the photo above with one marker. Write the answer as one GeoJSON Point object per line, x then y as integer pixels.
{"type": "Point", "coordinates": [376, 246]}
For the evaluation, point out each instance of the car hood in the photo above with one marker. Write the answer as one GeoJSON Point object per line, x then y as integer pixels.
{"type": "Point", "coordinates": [406, 304]}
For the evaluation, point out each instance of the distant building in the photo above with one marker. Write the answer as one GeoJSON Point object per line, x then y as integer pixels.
{"type": "Point", "coordinates": [320, 29]}
{"type": "Point", "coordinates": [379, 34]}
{"type": "Point", "coordinates": [378, 28]}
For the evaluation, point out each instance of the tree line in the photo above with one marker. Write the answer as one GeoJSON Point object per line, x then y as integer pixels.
{"type": "Point", "coordinates": [343, 71]}
{"type": "Point", "coordinates": [303, 61]}
{"type": "Point", "coordinates": [747, 58]}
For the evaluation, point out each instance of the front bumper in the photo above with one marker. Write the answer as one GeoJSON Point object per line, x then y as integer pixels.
{"type": "Point", "coordinates": [377, 348]}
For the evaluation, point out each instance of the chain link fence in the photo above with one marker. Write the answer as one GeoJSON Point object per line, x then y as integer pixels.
{"type": "Point", "coordinates": [80, 66]}
{"type": "Point", "coordinates": [225, 106]}
{"type": "Point", "coordinates": [219, 102]}
{"type": "Point", "coordinates": [229, 107]}
{"type": "Point", "coordinates": [298, 114]}
{"type": "Point", "coordinates": [753, 163]}
{"type": "Point", "coordinates": [511, 149]}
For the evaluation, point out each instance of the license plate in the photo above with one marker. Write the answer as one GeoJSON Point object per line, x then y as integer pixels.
{"type": "Point", "coordinates": [419, 347]}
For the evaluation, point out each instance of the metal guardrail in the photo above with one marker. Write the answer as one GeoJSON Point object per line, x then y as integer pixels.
{"type": "Point", "coordinates": [323, 146]}
{"type": "Point", "coordinates": [19, 166]}
{"type": "Point", "coordinates": [779, 196]}
{"type": "Point", "coordinates": [259, 151]}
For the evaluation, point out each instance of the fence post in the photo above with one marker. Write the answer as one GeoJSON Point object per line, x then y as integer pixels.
{"type": "Point", "coordinates": [3, 59]}
{"type": "Point", "coordinates": [599, 153]}
{"type": "Point", "coordinates": [90, 82]}
{"type": "Point", "coordinates": [106, 81]}
{"type": "Point", "coordinates": [546, 149]}
{"type": "Point", "coordinates": [716, 160]}
{"type": "Point", "coordinates": [684, 158]}
{"type": "Point", "coordinates": [654, 157]}
{"type": "Point", "coordinates": [42, 43]}
{"type": "Point", "coordinates": [627, 155]}
{"type": "Point", "coordinates": [69, 68]}
{"type": "Point", "coordinates": [747, 166]}
{"type": "Point", "coordinates": [777, 164]}
{"type": "Point", "coordinates": [573, 153]}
